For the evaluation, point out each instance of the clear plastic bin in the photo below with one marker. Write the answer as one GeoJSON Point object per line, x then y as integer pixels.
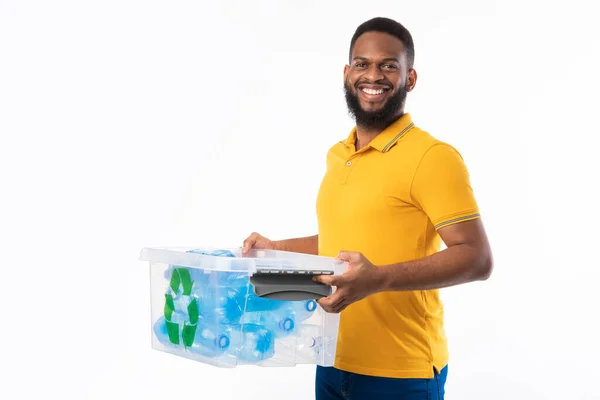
{"type": "Point", "coordinates": [204, 307]}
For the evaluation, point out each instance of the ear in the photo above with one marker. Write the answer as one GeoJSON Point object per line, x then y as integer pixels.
{"type": "Point", "coordinates": [412, 79]}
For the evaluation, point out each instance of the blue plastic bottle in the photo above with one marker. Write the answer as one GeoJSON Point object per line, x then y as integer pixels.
{"type": "Point", "coordinates": [278, 322]}
{"type": "Point", "coordinates": [282, 317]}
{"type": "Point", "coordinates": [220, 304]}
{"type": "Point", "coordinates": [252, 343]}
{"type": "Point", "coordinates": [233, 279]}
{"type": "Point", "coordinates": [160, 330]}
{"type": "Point", "coordinates": [215, 253]}
{"type": "Point", "coordinates": [210, 340]}
{"type": "Point", "coordinates": [255, 303]}
{"type": "Point", "coordinates": [309, 344]}
{"type": "Point", "coordinates": [303, 310]}
{"type": "Point", "coordinates": [181, 303]}
{"type": "Point", "coordinates": [221, 294]}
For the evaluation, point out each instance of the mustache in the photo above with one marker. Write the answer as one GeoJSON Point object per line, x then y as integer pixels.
{"type": "Point", "coordinates": [380, 82]}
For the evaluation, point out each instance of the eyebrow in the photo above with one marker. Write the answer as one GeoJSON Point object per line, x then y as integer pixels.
{"type": "Point", "coordinates": [385, 59]}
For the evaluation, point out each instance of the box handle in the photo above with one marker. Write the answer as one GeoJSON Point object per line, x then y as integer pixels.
{"type": "Point", "coordinates": [289, 285]}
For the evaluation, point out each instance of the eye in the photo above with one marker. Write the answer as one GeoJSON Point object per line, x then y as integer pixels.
{"type": "Point", "coordinates": [360, 65]}
{"type": "Point", "coordinates": [389, 66]}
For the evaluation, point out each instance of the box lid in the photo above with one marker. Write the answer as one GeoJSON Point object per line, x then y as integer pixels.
{"type": "Point", "coordinates": [231, 259]}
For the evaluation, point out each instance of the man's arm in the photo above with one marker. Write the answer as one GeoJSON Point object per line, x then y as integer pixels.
{"type": "Point", "coordinates": [306, 245]}
{"type": "Point", "coordinates": [467, 258]}
{"type": "Point", "coordinates": [441, 188]}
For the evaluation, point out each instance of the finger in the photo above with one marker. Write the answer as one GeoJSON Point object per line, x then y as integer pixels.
{"type": "Point", "coordinates": [338, 303]}
{"type": "Point", "coordinates": [330, 280]}
{"type": "Point", "coordinates": [322, 302]}
{"type": "Point", "coordinates": [326, 306]}
{"type": "Point", "coordinates": [249, 243]}
{"type": "Point", "coordinates": [343, 255]}
{"type": "Point", "coordinates": [335, 307]}
{"type": "Point", "coordinates": [331, 301]}
{"type": "Point", "coordinates": [326, 301]}
{"type": "Point", "coordinates": [341, 307]}
{"type": "Point", "coordinates": [348, 256]}
{"type": "Point", "coordinates": [247, 246]}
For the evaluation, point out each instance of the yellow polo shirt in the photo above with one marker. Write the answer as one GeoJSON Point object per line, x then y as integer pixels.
{"type": "Point", "coordinates": [387, 201]}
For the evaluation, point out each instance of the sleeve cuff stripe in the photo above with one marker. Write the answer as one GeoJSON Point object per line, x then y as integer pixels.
{"type": "Point", "coordinates": [457, 220]}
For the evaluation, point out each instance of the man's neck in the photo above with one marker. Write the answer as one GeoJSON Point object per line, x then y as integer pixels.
{"type": "Point", "coordinates": [365, 134]}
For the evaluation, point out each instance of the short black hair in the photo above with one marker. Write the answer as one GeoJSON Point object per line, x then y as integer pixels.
{"type": "Point", "coordinates": [389, 26]}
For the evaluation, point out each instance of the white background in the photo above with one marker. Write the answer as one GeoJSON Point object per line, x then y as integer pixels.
{"type": "Point", "coordinates": [127, 124]}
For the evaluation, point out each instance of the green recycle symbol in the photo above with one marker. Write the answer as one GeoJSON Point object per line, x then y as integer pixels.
{"type": "Point", "coordinates": [181, 279]}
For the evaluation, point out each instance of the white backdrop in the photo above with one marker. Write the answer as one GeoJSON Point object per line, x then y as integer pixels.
{"type": "Point", "coordinates": [127, 124]}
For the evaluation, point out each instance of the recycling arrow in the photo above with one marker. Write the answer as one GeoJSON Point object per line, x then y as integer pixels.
{"type": "Point", "coordinates": [181, 278]}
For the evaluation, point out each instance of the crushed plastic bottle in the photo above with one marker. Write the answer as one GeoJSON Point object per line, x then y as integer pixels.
{"type": "Point", "coordinates": [255, 303]}
{"type": "Point", "coordinates": [203, 338]}
{"type": "Point", "coordinates": [214, 253]}
{"type": "Point", "coordinates": [283, 317]}
{"type": "Point", "coordinates": [181, 305]}
{"type": "Point", "coordinates": [253, 343]}
{"type": "Point", "coordinates": [233, 279]}
{"type": "Point", "coordinates": [303, 310]}
{"type": "Point", "coordinates": [162, 334]}
{"type": "Point", "coordinates": [210, 340]}
{"type": "Point", "coordinates": [280, 323]}
{"type": "Point", "coordinates": [220, 304]}
{"type": "Point", "coordinates": [309, 345]}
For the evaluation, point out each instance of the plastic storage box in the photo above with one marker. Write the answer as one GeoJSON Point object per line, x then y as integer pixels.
{"type": "Point", "coordinates": [221, 308]}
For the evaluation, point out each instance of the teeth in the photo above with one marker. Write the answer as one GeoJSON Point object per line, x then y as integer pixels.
{"type": "Point", "coordinates": [372, 91]}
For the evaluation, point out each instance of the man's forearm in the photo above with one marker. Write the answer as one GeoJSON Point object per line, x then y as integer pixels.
{"type": "Point", "coordinates": [306, 245]}
{"type": "Point", "coordinates": [455, 265]}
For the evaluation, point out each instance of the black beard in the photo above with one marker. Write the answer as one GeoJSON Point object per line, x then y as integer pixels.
{"type": "Point", "coordinates": [379, 119]}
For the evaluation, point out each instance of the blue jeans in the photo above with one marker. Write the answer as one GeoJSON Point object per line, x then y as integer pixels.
{"type": "Point", "coordinates": [333, 384]}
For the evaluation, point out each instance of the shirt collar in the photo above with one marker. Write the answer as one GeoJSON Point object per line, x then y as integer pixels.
{"type": "Point", "coordinates": [388, 137]}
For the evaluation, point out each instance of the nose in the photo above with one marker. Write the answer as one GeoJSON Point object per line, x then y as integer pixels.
{"type": "Point", "coordinates": [374, 73]}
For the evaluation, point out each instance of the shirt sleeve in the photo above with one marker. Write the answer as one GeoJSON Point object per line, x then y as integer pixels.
{"type": "Point", "coordinates": [441, 187]}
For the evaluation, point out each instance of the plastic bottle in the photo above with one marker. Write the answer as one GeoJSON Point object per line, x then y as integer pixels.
{"type": "Point", "coordinates": [220, 304]}
{"type": "Point", "coordinates": [309, 344]}
{"type": "Point", "coordinates": [279, 316]}
{"type": "Point", "coordinates": [303, 309]}
{"type": "Point", "coordinates": [210, 340]}
{"type": "Point", "coordinates": [181, 305]}
{"type": "Point", "coordinates": [234, 279]}
{"type": "Point", "coordinates": [279, 322]}
{"type": "Point", "coordinates": [252, 343]}
{"type": "Point", "coordinates": [162, 334]}
{"type": "Point", "coordinates": [199, 276]}
{"type": "Point", "coordinates": [255, 303]}
{"type": "Point", "coordinates": [214, 253]}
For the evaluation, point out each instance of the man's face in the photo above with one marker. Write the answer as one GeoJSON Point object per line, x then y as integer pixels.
{"type": "Point", "coordinates": [377, 80]}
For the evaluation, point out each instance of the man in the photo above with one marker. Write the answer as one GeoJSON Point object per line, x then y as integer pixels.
{"type": "Point", "coordinates": [390, 195]}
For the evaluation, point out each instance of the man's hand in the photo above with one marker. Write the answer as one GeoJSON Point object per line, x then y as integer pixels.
{"type": "Point", "coordinates": [360, 280]}
{"type": "Point", "coordinates": [256, 241]}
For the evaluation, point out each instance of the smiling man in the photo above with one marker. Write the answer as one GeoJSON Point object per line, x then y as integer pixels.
{"type": "Point", "coordinates": [391, 194]}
